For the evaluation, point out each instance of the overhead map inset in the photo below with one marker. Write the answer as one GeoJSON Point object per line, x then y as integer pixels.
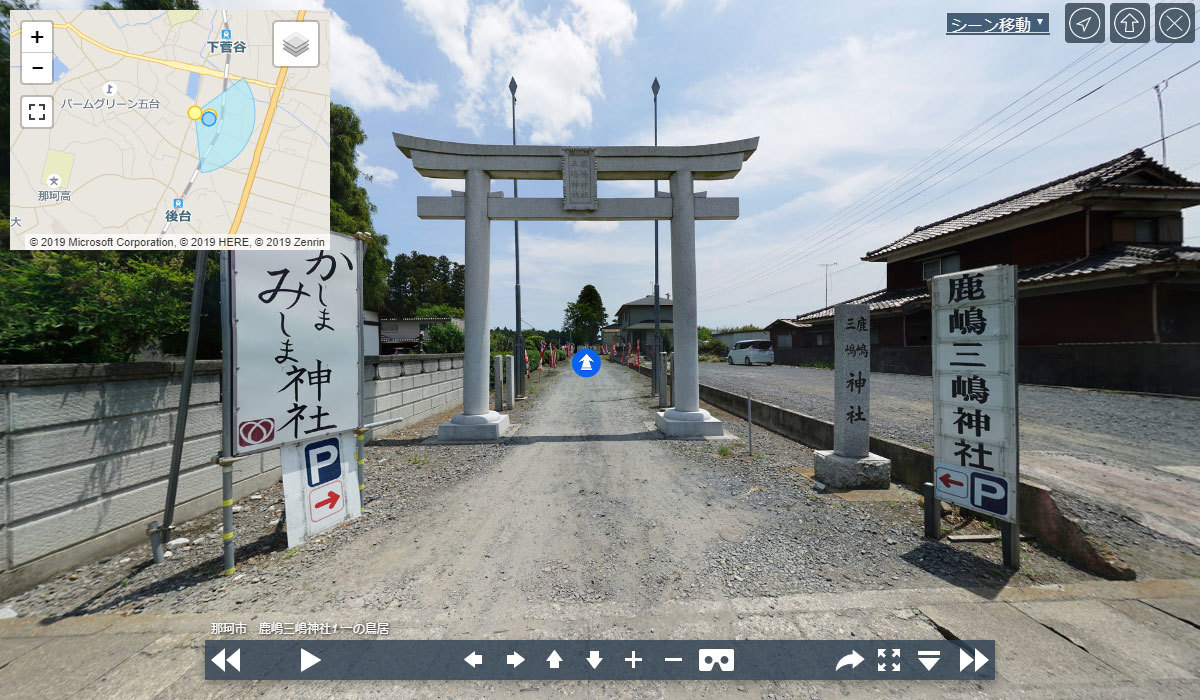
{"type": "Point", "coordinates": [141, 123]}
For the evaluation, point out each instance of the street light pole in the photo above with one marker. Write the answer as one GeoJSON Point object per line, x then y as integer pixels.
{"type": "Point", "coordinates": [827, 266]}
{"type": "Point", "coordinates": [657, 318]}
{"type": "Point", "coordinates": [519, 339]}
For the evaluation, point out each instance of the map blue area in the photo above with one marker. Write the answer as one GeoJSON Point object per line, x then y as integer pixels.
{"type": "Point", "coordinates": [193, 86]}
{"type": "Point", "coordinates": [222, 140]}
{"type": "Point", "coordinates": [60, 69]}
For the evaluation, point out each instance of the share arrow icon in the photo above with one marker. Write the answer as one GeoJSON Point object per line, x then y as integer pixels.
{"type": "Point", "coordinates": [853, 659]}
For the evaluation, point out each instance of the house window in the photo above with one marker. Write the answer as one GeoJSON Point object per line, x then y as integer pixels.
{"type": "Point", "coordinates": [821, 339]}
{"type": "Point", "coordinates": [1140, 230]}
{"type": "Point", "coordinates": [783, 341]}
{"type": "Point", "coordinates": [874, 336]}
{"type": "Point", "coordinates": [424, 326]}
{"type": "Point", "coordinates": [940, 266]}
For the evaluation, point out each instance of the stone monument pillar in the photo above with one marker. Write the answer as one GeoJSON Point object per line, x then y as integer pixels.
{"type": "Point", "coordinates": [850, 464]}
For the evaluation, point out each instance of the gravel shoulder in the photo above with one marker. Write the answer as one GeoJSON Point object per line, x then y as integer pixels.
{"type": "Point", "coordinates": [1136, 457]}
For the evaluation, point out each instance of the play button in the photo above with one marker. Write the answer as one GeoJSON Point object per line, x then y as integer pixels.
{"type": "Point", "coordinates": [308, 660]}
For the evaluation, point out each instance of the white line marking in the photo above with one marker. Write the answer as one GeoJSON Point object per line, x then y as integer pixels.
{"type": "Point", "coordinates": [673, 658]}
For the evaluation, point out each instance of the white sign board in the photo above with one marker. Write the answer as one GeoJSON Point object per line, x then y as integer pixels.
{"type": "Point", "coordinates": [975, 389]}
{"type": "Point", "coordinates": [293, 344]}
{"type": "Point", "coordinates": [320, 485]}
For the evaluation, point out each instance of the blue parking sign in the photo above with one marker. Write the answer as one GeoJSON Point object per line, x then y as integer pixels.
{"type": "Point", "coordinates": [989, 493]}
{"type": "Point", "coordinates": [323, 461]}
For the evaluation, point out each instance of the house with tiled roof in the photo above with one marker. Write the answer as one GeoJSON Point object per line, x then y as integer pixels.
{"type": "Point", "coordinates": [635, 321]}
{"type": "Point", "coordinates": [1104, 280]}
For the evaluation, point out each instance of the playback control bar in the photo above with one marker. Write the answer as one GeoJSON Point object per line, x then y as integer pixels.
{"type": "Point", "coordinates": [540, 659]}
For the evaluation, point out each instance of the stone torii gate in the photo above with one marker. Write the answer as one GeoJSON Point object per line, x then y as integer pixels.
{"type": "Point", "coordinates": [579, 169]}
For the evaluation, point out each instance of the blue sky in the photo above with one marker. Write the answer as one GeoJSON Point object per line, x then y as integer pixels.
{"type": "Point", "coordinates": [845, 97]}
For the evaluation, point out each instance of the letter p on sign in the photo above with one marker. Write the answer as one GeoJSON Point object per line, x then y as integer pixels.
{"type": "Point", "coordinates": [322, 461]}
{"type": "Point", "coordinates": [989, 493]}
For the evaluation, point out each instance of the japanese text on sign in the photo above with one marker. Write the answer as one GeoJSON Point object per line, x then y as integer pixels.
{"type": "Point", "coordinates": [296, 352]}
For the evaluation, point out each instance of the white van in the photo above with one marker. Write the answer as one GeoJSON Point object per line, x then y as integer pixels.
{"type": "Point", "coordinates": [747, 352]}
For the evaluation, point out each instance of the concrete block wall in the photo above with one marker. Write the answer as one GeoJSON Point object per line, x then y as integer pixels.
{"type": "Point", "coordinates": [85, 451]}
{"type": "Point", "coordinates": [410, 387]}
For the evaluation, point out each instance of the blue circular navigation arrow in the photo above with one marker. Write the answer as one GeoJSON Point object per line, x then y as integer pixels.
{"type": "Point", "coordinates": [586, 363]}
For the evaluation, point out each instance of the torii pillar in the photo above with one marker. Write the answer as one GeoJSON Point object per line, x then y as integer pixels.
{"type": "Point", "coordinates": [579, 169]}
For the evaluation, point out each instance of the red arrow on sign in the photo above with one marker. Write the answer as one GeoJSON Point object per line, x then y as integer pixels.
{"type": "Point", "coordinates": [944, 478]}
{"type": "Point", "coordinates": [333, 499]}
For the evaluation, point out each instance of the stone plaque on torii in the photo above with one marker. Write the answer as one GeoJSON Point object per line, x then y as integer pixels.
{"type": "Point", "coordinates": [579, 169]}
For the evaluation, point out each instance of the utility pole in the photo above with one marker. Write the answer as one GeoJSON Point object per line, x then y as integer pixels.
{"type": "Point", "coordinates": [1162, 128]}
{"type": "Point", "coordinates": [519, 339]}
{"type": "Point", "coordinates": [657, 317]}
{"type": "Point", "coordinates": [827, 266]}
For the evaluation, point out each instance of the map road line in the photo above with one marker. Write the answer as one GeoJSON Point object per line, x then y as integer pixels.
{"type": "Point", "coordinates": [262, 140]}
{"type": "Point", "coordinates": [177, 65]}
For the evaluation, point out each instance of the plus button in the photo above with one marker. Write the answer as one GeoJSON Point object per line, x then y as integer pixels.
{"type": "Point", "coordinates": [633, 659]}
{"type": "Point", "coordinates": [37, 36]}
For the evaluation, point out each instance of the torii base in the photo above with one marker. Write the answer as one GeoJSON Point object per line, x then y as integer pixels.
{"type": "Point", "coordinates": [486, 427]}
{"type": "Point", "coordinates": [688, 424]}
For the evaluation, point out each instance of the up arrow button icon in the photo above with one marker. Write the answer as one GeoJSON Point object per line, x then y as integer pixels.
{"type": "Point", "coordinates": [554, 659]}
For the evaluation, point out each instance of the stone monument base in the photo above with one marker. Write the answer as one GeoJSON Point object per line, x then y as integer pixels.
{"type": "Point", "coordinates": [687, 424]}
{"type": "Point", "coordinates": [870, 472]}
{"type": "Point", "coordinates": [486, 427]}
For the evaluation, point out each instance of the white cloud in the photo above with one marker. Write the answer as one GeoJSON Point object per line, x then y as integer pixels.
{"type": "Point", "coordinates": [359, 75]}
{"type": "Point", "coordinates": [555, 57]}
{"type": "Point", "coordinates": [595, 226]}
{"type": "Point", "coordinates": [377, 173]}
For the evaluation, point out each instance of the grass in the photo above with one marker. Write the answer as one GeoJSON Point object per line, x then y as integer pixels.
{"type": "Point", "coordinates": [417, 461]}
{"type": "Point", "coordinates": [290, 553]}
{"type": "Point", "coordinates": [724, 450]}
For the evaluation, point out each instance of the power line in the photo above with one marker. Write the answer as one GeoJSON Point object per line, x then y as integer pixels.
{"type": "Point", "coordinates": [918, 165]}
{"type": "Point", "coordinates": [829, 242]}
{"type": "Point", "coordinates": [1008, 162]}
{"type": "Point", "coordinates": [806, 252]}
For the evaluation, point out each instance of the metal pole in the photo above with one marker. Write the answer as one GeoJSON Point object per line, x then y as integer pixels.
{"type": "Point", "coordinates": [227, 511]}
{"type": "Point", "coordinates": [1162, 128]}
{"type": "Point", "coordinates": [519, 339]}
{"type": "Point", "coordinates": [750, 425]}
{"type": "Point", "coordinates": [1010, 533]}
{"type": "Point", "coordinates": [657, 316]}
{"type": "Point", "coordinates": [185, 397]}
{"type": "Point", "coordinates": [360, 458]}
{"type": "Point", "coordinates": [827, 266]}
{"type": "Point", "coordinates": [933, 516]}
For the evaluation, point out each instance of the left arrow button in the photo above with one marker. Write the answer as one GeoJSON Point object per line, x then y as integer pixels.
{"type": "Point", "coordinates": [474, 659]}
{"type": "Point", "coordinates": [308, 660]}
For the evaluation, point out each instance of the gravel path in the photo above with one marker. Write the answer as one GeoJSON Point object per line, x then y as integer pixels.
{"type": "Point", "coordinates": [584, 504]}
{"type": "Point", "coordinates": [1137, 455]}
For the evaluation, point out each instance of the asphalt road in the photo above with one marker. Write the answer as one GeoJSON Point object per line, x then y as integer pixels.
{"type": "Point", "coordinates": [1136, 454]}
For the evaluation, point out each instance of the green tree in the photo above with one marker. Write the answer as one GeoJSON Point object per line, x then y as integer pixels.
{"type": "Point", "coordinates": [418, 280]}
{"type": "Point", "coordinates": [704, 333]}
{"type": "Point", "coordinates": [438, 311]}
{"type": "Point", "coordinates": [445, 337]}
{"type": "Point", "coordinates": [88, 307]}
{"type": "Point", "coordinates": [583, 317]}
{"type": "Point", "coordinates": [350, 209]}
